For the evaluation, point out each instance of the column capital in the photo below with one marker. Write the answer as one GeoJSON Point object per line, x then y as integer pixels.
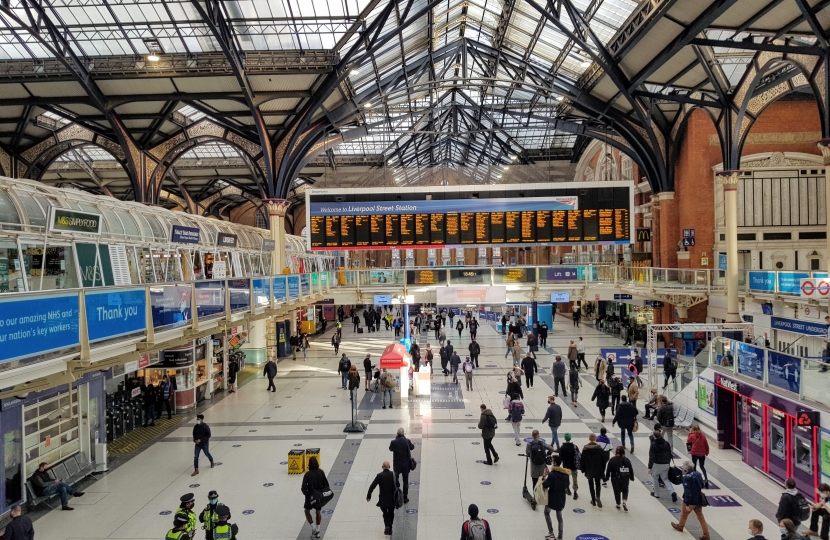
{"type": "Point", "coordinates": [729, 179]}
{"type": "Point", "coordinates": [824, 148]}
{"type": "Point", "coordinates": [277, 207]}
{"type": "Point", "coordinates": [663, 196]}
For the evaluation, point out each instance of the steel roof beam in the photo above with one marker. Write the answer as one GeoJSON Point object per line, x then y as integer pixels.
{"type": "Point", "coordinates": [752, 46]}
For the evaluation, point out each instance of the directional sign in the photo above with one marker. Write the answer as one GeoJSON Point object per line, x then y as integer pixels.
{"type": "Point", "coordinates": [622, 297]}
{"type": "Point", "coordinates": [815, 287]}
{"type": "Point", "coordinates": [689, 233]}
{"type": "Point", "coordinates": [688, 242]}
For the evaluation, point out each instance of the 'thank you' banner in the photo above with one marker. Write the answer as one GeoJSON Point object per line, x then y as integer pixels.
{"type": "Point", "coordinates": [38, 325]}
{"type": "Point", "coordinates": [115, 313]}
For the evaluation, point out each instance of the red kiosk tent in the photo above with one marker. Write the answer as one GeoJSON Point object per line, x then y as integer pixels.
{"type": "Point", "coordinates": [394, 356]}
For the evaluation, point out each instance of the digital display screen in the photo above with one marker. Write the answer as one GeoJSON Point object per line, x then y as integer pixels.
{"type": "Point", "coordinates": [424, 277]}
{"type": "Point", "coordinates": [469, 276]}
{"type": "Point", "coordinates": [579, 213]}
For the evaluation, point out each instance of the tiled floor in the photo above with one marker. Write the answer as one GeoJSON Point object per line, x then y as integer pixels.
{"type": "Point", "coordinates": [254, 430]}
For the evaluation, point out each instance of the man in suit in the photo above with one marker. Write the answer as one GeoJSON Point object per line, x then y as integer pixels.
{"type": "Point", "coordinates": [756, 529]}
{"type": "Point", "coordinates": [386, 496]}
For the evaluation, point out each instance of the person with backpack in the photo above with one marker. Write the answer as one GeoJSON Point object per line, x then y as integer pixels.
{"type": "Point", "coordinates": [556, 484]}
{"type": "Point", "coordinates": [387, 384]}
{"type": "Point", "coordinates": [692, 499]}
{"type": "Point", "coordinates": [401, 449]}
{"type": "Point", "coordinates": [626, 417]}
{"type": "Point", "coordinates": [516, 410]}
{"type": "Point", "coordinates": [468, 373]}
{"type": "Point", "coordinates": [593, 467]}
{"type": "Point", "coordinates": [605, 444]}
{"type": "Point", "coordinates": [553, 416]}
{"type": "Point", "coordinates": [616, 386]}
{"type": "Point", "coordinates": [609, 371]}
{"type": "Point", "coordinates": [488, 425]}
{"type": "Point", "coordinates": [659, 460]}
{"type": "Point", "coordinates": [792, 505]}
{"type": "Point", "coordinates": [473, 328]}
{"type": "Point", "coordinates": [543, 334]}
{"type": "Point", "coordinates": [475, 349]}
{"type": "Point", "coordinates": [385, 480]}
{"type": "Point", "coordinates": [575, 383]}
{"type": "Point", "coordinates": [571, 460]}
{"type": "Point", "coordinates": [602, 395]}
{"type": "Point", "coordinates": [665, 417]}
{"type": "Point", "coordinates": [620, 471]}
{"type": "Point", "coordinates": [537, 452]}
{"type": "Point", "coordinates": [343, 368]}
{"type": "Point", "coordinates": [445, 359]}
{"type": "Point", "coordinates": [530, 367]}
{"type": "Point", "coordinates": [475, 528]}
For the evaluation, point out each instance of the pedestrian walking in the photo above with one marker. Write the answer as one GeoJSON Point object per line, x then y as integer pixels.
{"type": "Point", "coordinates": [517, 352]}
{"type": "Point", "coordinates": [428, 356]}
{"type": "Point", "coordinates": [314, 482]}
{"type": "Point", "coordinates": [150, 398]}
{"type": "Point", "coordinates": [503, 324]}
{"type": "Point", "coordinates": [354, 383]}
{"type": "Point", "coordinates": [558, 370]}
{"type": "Point", "coordinates": [305, 345]}
{"type": "Point", "coordinates": [557, 485]}
{"type": "Point", "coordinates": [385, 481]}
{"type": "Point", "coordinates": [445, 359]}
{"type": "Point", "coordinates": [620, 472]}
{"type": "Point", "coordinates": [514, 387]}
{"type": "Point", "coordinates": [698, 447]}
{"type": "Point", "coordinates": [270, 371]}
{"type": "Point", "coordinates": [442, 335]}
{"type": "Point", "coordinates": [343, 368]}
{"type": "Point", "coordinates": [593, 467]}
{"type": "Point", "coordinates": [600, 367]}
{"type": "Point", "coordinates": [568, 452]}
{"type": "Point", "coordinates": [387, 384]}
{"type": "Point", "coordinates": [294, 343]}
{"type": "Point", "coordinates": [402, 461]}
{"type": "Point", "coordinates": [488, 424]}
{"type": "Point", "coordinates": [573, 358]}
{"type": "Point", "coordinates": [475, 528]}
{"type": "Point", "coordinates": [530, 367]}
{"type": "Point", "coordinates": [20, 527]}
{"type": "Point", "coordinates": [580, 353]}
{"type": "Point", "coordinates": [575, 383]}
{"type": "Point", "coordinates": [659, 458]}
{"type": "Point", "coordinates": [367, 369]}
{"type": "Point", "coordinates": [633, 392]}
{"type": "Point", "coordinates": [516, 410]}
{"type": "Point", "coordinates": [233, 369]}
{"type": "Point", "coordinates": [339, 330]}
{"type": "Point", "coordinates": [692, 499]}
{"type": "Point", "coordinates": [665, 417]}
{"type": "Point", "coordinates": [609, 370]}
{"type": "Point", "coordinates": [355, 323]}
{"type": "Point", "coordinates": [475, 349]}
{"type": "Point", "coordinates": [605, 443]}
{"type": "Point", "coordinates": [532, 344]}
{"type": "Point", "coordinates": [616, 386]}
{"type": "Point", "coordinates": [602, 395]}
{"type": "Point", "coordinates": [201, 438]}
{"type": "Point", "coordinates": [553, 416]}
{"type": "Point", "coordinates": [468, 373]}
{"type": "Point", "coordinates": [455, 362]}
{"type": "Point", "coordinates": [460, 328]}
{"type": "Point", "coordinates": [537, 452]}
{"type": "Point", "coordinates": [543, 334]}
{"type": "Point", "coordinates": [166, 395]}
{"type": "Point", "coordinates": [626, 417]}
{"type": "Point", "coordinates": [335, 342]}
{"type": "Point", "coordinates": [473, 328]}
{"type": "Point", "coordinates": [510, 341]}
{"type": "Point", "coordinates": [638, 365]}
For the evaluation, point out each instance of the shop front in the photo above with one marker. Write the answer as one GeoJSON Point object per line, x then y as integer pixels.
{"type": "Point", "coordinates": [773, 434]}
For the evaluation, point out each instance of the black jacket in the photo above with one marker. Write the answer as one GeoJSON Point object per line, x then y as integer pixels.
{"type": "Point", "coordinates": [602, 394]}
{"type": "Point", "coordinates": [270, 370]}
{"type": "Point", "coordinates": [626, 415]}
{"type": "Point", "coordinates": [474, 348]}
{"type": "Point", "coordinates": [40, 480]}
{"type": "Point", "coordinates": [19, 528]}
{"type": "Point", "coordinates": [788, 508]}
{"type": "Point", "coordinates": [659, 453]}
{"type": "Point", "coordinates": [593, 464]}
{"type": "Point", "coordinates": [664, 413]}
{"type": "Point", "coordinates": [367, 364]}
{"type": "Point", "coordinates": [386, 497]}
{"type": "Point", "coordinates": [515, 389]}
{"type": "Point", "coordinates": [568, 452]}
{"type": "Point", "coordinates": [201, 432]}
{"type": "Point", "coordinates": [401, 448]}
{"type": "Point", "coordinates": [619, 469]}
{"type": "Point", "coordinates": [553, 416]}
{"type": "Point", "coordinates": [529, 364]}
{"type": "Point", "coordinates": [557, 483]}
{"type": "Point", "coordinates": [616, 386]}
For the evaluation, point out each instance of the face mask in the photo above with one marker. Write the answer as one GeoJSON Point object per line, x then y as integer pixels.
{"type": "Point", "coordinates": [750, 532]}
{"type": "Point", "coordinates": [198, 421]}
{"type": "Point", "coordinates": [783, 530]}
{"type": "Point", "coordinates": [214, 501]}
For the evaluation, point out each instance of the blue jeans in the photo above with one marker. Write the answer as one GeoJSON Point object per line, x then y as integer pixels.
{"type": "Point", "coordinates": [64, 489]}
{"type": "Point", "coordinates": [200, 447]}
{"type": "Point", "coordinates": [630, 436]}
{"type": "Point", "coordinates": [383, 397]}
{"type": "Point", "coordinates": [555, 437]}
{"type": "Point", "coordinates": [343, 377]}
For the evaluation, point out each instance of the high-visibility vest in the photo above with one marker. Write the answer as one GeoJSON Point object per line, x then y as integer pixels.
{"type": "Point", "coordinates": [222, 532]}
{"type": "Point", "coordinates": [210, 516]}
{"type": "Point", "coordinates": [173, 534]}
{"type": "Point", "coordinates": [191, 520]}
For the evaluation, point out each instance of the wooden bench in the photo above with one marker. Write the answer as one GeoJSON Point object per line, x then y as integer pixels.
{"type": "Point", "coordinates": [71, 470]}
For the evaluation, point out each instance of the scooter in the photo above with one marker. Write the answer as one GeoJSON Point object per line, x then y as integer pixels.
{"type": "Point", "coordinates": [526, 493]}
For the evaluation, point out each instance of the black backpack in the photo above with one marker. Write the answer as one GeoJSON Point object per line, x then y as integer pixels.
{"type": "Point", "coordinates": [803, 507]}
{"type": "Point", "coordinates": [670, 419]}
{"type": "Point", "coordinates": [537, 453]}
{"type": "Point", "coordinates": [344, 365]}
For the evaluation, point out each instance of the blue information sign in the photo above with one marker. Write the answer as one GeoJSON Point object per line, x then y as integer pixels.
{"type": "Point", "coordinates": [799, 326]}
{"type": "Point", "coordinates": [180, 234]}
{"type": "Point", "coordinates": [562, 273]}
{"type": "Point", "coordinates": [762, 281]}
{"type": "Point", "coordinates": [790, 282]}
{"type": "Point", "coordinates": [558, 297]}
{"type": "Point", "coordinates": [262, 292]}
{"type": "Point", "coordinates": [383, 300]}
{"type": "Point", "coordinates": [294, 286]}
{"type": "Point", "coordinates": [38, 325]}
{"type": "Point", "coordinates": [784, 371]}
{"type": "Point", "coordinates": [305, 284]}
{"type": "Point", "coordinates": [279, 289]}
{"type": "Point", "coordinates": [115, 313]}
{"type": "Point", "coordinates": [622, 297]}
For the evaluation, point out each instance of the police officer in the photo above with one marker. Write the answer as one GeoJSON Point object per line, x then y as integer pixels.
{"type": "Point", "coordinates": [185, 511]}
{"type": "Point", "coordinates": [223, 529]}
{"type": "Point", "coordinates": [210, 514]}
{"type": "Point", "coordinates": [178, 531]}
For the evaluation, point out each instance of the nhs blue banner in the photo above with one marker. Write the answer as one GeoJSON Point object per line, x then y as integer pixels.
{"type": "Point", "coordinates": [38, 325]}
{"type": "Point", "coordinates": [279, 289]}
{"type": "Point", "coordinates": [790, 282]}
{"type": "Point", "coordinates": [294, 286]}
{"type": "Point", "coordinates": [116, 313]}
{"type": "Point", "coordinates": [762, 281]}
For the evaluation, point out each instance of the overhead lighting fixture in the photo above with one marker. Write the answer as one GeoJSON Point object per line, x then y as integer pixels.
{"type": "Point", "coordinates": [152, 58]}
{"type": "Point", "coordinates": [560, 98]}
{"type": "Point", "coordinates": [514, 158]}
{"type": "Point", "coordinates": [585, 64]}
{"type": "Point", "coordinates": [368, 105]}
{"type": "Point", "coordinates": [499, 176]}
{"type": "Point", "coordinates": [506, 168]}
{"type": "Point", "coordinates": [354, 72]}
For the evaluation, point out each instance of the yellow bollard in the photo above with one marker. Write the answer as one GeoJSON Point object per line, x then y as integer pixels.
{"type": "Point", "coordinates": [296, 462]}
{"type": "Point", "coordinates": [310, 453]}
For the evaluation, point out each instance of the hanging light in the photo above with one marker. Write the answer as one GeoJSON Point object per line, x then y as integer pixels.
{"type": "Point", "coordinates": [585, 64]}
{"type": "Point", "coordinates": [152, 57]}
{"type": "Point", "coordinates": [560, 98]}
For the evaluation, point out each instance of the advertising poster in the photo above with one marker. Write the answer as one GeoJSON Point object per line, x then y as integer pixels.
{"type": "Point", "coordinates": [382, 277]}
{"type": "Point", "coordinates": [750, 361]}
{"type": "Point", "coordinates": [784, 371]}
{"type": "Point", "coordinates": [279, 289]}
{"type": "Point", "coordinates": [706, 395]}
{"type": "Point", "coordinates": [294, 286]}
{"type": "Point", "coordinates": [824, 458]}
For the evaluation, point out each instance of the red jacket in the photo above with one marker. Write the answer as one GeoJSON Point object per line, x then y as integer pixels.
{"type": "Point", "coordinates": [700, 446]}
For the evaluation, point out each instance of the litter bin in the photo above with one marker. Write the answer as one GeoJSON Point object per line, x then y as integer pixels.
{"type": "Point", "coordinates": [310, 453]}
{"type": "Point", "coordinates": [296, 462]}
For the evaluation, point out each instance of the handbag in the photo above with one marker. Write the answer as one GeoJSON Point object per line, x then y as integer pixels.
{"type": "Point", "coordinates": [321, 497]}
{"type": "Point", "coordinates": [636, 427]}
{"type": "Point", "coordinates": [688, 447]}
{"type": "Point", "coordinates": [675, 474]}
{"type": "Point", "coordinates": [412, 463]}
{"type": "Point", "coordinates": [703, 500]}
{"type": "Point", "coordinates": [505, 402]}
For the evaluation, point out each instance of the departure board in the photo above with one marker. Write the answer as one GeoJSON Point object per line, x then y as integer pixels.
{"type": "Point", "coordinates": [526, 214]}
